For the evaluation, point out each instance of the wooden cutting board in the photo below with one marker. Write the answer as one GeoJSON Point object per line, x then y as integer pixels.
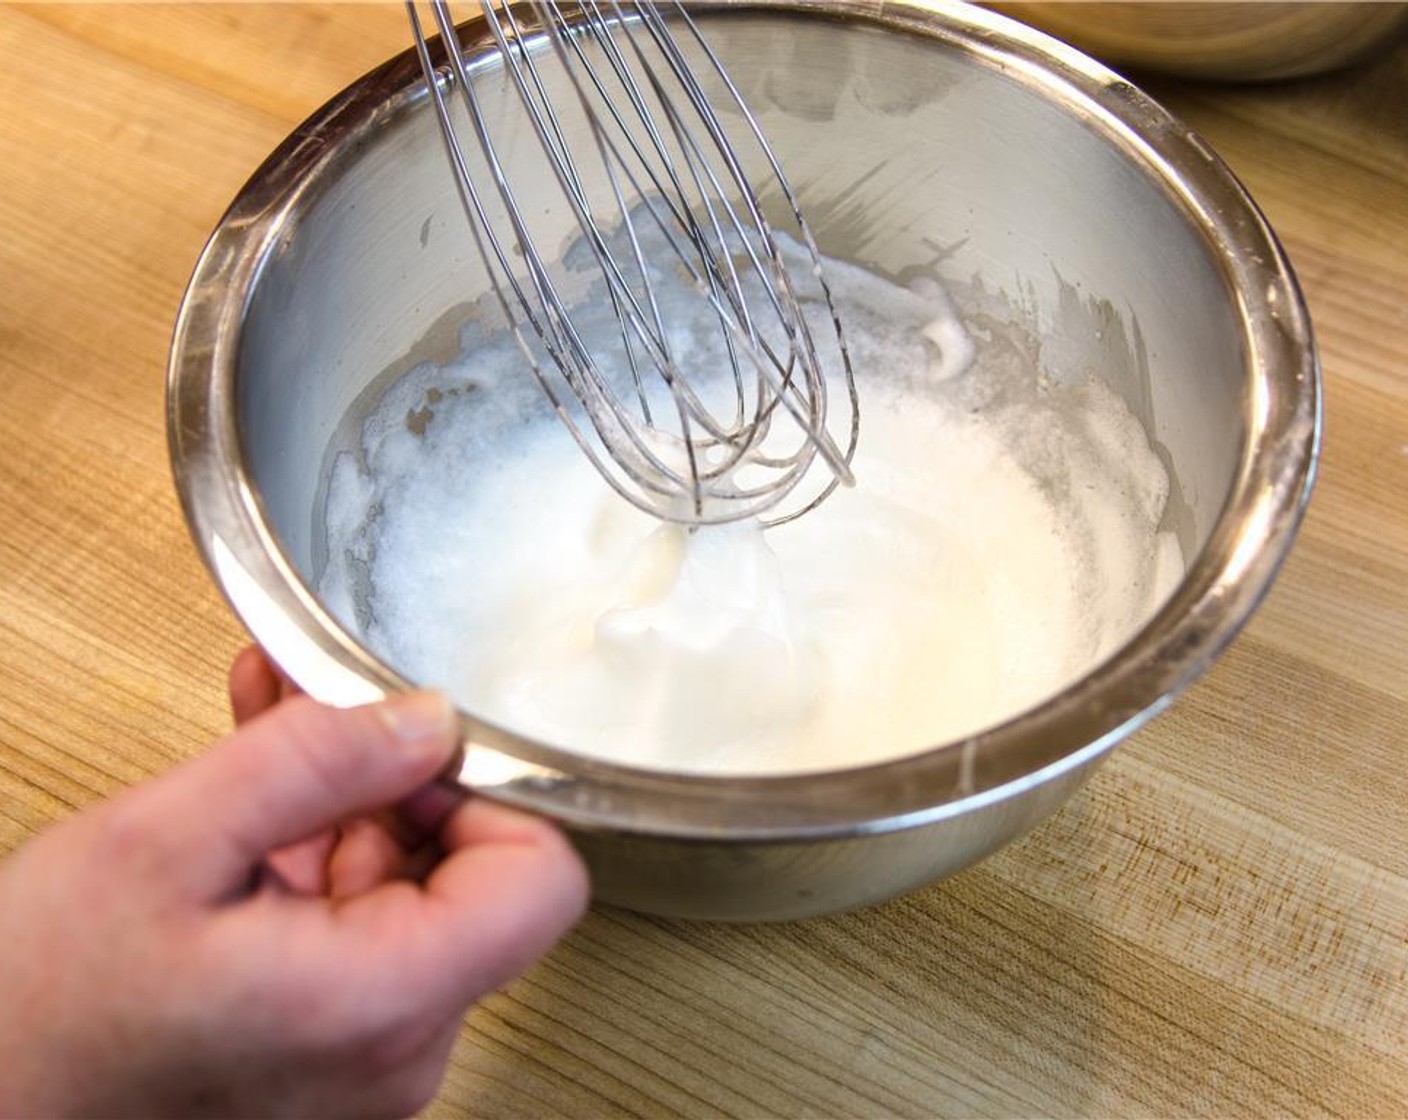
{"type": "Point", "coordinates": [1217, 925]}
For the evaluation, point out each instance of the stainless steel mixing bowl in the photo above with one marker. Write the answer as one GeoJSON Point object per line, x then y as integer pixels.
{"type": "Point", "coordinates": [920, 138]}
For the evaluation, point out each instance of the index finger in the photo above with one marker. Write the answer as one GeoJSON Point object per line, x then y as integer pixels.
{"type": "Point", "coordinates": [286, 775]}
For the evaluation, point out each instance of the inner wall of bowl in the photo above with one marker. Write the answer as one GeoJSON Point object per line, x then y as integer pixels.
{"type": "Point", "coordinates": [908, 154]}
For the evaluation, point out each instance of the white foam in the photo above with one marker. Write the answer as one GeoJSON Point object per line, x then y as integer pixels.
{"type": "Point", "coordinates": [983, 560]}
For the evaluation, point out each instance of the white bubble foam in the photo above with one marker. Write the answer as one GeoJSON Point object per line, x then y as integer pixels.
{"type": "Point", "coordinates": [1002, 538]}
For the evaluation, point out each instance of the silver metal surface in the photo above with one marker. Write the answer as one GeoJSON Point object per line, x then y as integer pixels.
{"type": "Point", "coordinates": [918, 138]}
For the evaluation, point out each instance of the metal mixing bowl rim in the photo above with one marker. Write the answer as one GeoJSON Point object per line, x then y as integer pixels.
{"type": "Point", "coordinates": [1223, 585]}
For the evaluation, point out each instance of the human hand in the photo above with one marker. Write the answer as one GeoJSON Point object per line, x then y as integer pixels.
{"type": "Point", "coordinates": [291, 924]}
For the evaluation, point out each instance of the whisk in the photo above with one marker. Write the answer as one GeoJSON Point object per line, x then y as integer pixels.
{"type": "Point", "coordinates": [629, 118]}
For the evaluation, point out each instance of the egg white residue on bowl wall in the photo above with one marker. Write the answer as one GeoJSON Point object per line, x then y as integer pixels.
{"type": "Point", "coordinates": [1002, 539]}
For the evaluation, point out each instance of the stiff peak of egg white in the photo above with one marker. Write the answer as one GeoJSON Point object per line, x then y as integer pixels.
{"type": "Point", "coordinates": [686, 645]}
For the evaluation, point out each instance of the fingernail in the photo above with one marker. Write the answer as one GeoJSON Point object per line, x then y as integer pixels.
{"type": "Point", "coordinates": [418, 717]}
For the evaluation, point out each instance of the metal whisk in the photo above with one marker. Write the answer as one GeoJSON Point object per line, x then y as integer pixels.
{"type": "Point", "coordinates": [720, 423]}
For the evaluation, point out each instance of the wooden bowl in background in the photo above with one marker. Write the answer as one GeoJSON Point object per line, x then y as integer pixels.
{"type": "Point", "coordinates": [1226, 41]}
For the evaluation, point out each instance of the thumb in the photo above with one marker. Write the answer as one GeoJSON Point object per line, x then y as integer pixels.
{"type": "Point", "coordinates": [290, 773]}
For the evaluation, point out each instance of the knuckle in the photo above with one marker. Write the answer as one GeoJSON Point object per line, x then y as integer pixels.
{"type": "Point", "coordinates": [125, 830]}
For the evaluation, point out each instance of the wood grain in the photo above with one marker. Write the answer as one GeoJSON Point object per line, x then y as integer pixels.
{"type": "Point", "coordinates": [1217, 926]}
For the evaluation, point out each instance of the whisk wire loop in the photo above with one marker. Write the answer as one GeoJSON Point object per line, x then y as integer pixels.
{"type": "Point", "coordinates": [660, 185]}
